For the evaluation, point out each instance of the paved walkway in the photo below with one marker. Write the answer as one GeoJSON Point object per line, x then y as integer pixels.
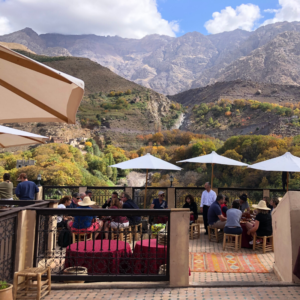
{"type": "Point", "coordinates": [255, 293]}
{"type": "Point", "coordinates": [204, 245]}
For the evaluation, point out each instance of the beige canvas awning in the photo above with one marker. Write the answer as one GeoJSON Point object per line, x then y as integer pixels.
{"type": "Point", "coordinates": [10, 137]}
{"type": "Point", "coordinates": [33, 92]}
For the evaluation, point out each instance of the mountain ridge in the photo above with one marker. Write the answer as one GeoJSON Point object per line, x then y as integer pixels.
{"type": "Point", "coordinates": [170, 65]}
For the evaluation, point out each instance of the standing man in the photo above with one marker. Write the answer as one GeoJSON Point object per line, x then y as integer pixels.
{"type": "Point", "coordinates": [207, 198]}
{"type": "Point", "coordinates": [26, 190]}
{"type": "Point", "coordinates": [75, 199]}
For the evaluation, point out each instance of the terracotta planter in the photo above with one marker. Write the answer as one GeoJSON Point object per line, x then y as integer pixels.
{"type": "Point", "coordinates": [75, 270]}
{"type": "Point", "coordinates": [6, 294]}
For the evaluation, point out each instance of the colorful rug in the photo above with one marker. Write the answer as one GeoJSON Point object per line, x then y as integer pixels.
{"type": "Point", "coordinates": [226, 263]}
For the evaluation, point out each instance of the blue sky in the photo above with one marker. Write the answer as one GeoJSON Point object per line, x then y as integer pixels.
{"type": "Point", "coordinates": [193, 14]}
{"type": "Point", "coordinates": [138, 18]}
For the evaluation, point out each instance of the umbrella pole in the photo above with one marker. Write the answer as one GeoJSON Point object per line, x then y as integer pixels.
{"type": "Point", "coordinates": [146, 189]}
{"type": "Point", "coordinates": [287, 182]}
{"type": "Point", "coordinates": [212, 175]}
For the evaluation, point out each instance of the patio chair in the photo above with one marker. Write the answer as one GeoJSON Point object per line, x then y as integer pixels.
{"type": "Point", "coordinates": [264, 246]}
{"type": "Point", "coordinates": [214, 235]}
{"type": "Point", "coordinates": [232, 241]}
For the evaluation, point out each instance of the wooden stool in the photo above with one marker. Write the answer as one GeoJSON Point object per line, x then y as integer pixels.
{"type": "Point", "coordinates": [28, 290]}
{"type": "Point", "coordinates": [264, 246]}
{"type": "Point", "coordinates": [194, 231]}
{"type": "Point", "coordinates": [123, 233]}
{"type": "Point", "coordinates": [214, 235]}
{"type": "Point", "coordinates": [229, 243]}
{"type": "Point", "coordinates": [136, 229]}
{"type": "Point", "coordinates": [82, 237]}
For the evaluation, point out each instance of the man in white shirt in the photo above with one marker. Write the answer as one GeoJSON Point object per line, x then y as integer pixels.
{"type": "Point", "coordinates": [207, 198]}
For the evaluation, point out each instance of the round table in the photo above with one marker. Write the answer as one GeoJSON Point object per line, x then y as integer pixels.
{"type": "Point", "coordinates": [149, 257]}
{"type": "Point", "coordinates": [99, 257]}
{"type": "Point", "coordinates": [245, 237]}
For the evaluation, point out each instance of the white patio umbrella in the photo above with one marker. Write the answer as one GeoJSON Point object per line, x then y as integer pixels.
{"type": "Point", "coordinates": [147, 162]}
{"type": "Point", "coordinates": [10, 137]}
{"type": "Point", "coordinates": [284, 163]}
{"type": "Point", "coordinates": [33, 92]}
{"type": "Point", "coordinates": [214, 158]}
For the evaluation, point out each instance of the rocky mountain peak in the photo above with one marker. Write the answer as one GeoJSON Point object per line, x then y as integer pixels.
{"type": "Point", "coordinates": [170, 65]}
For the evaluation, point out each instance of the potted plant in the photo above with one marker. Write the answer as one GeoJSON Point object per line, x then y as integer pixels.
{"type": "Point", "coordinates": [6, 291]}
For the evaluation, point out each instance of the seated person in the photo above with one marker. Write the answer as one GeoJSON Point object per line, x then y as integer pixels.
{"type": "Point", "coordinates": [234, 216]}
{"type": "Point", "coordinates": [214, 215]}
{"type": "Point", "coordinates": [62, 221]}
{"type": "Point", "coordinates": [266, 199]}
{"type": "Point", "coordinates": [89, 194]}
{"type": "Point", "coordinates": [116, 221]}
{"type": "Point", "coordinates": [262, 226]}
{"type": "Point", "coordinates": [244, 205]}
{"type": "Point", "coordinates": [159, 203]}
{"type": "Point", "coordinates": [191, 204]}
{"type": "Point", "coordinates": [129, 204]}
{"type": "Point", "coordinates": [75, 199]}
{"type": "Point", "coordinates": [224, 207]}
{"type": "Point", "coordinates": [274, 202]}
{"type": "Point", "coordinates": [86, 222]}
{"type": "Point", "coordinates": [107, 202]}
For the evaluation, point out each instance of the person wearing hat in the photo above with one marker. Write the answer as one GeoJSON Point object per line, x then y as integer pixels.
{"type": "Point", "coordinates": [159, 203]}
{"type": "Point", "coordinates": [86, 222]}
{"type": "Point", "coordinates": [244, 205]}
{"type": "Point", "coordinates": [263, 222]}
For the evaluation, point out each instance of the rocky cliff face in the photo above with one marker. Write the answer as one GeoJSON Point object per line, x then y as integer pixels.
{"type": "Point", "coordinates": [171, 65]}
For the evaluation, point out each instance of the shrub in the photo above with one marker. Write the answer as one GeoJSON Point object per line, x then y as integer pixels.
{"type": "Point", "coordinates": [3, 285]}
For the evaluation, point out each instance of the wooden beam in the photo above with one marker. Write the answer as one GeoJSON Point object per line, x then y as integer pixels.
{"type": "Point", "coordinates": [31, 65]}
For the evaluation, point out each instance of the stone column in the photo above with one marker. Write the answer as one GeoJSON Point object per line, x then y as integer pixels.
{"type": "Point", "coordinates": [171, 197]}
{"type": "Point", "coordinates": [39, 195]}
{"type": "Point", "coordinates": [179, 247]}
{"type": "Point", "coordinates": [82, 189]}
{"type": "Point", "coordinates": [266, 193]}
{"type": "Point", "coordinates": [128, 190]}
{"type": "Point", "coordinates": [25, 239]}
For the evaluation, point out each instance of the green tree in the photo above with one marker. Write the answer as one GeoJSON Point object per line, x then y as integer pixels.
{"type": "Point", "coordinates": [96, 150]}
{"type": "Point", "coordinates": [109, 172]}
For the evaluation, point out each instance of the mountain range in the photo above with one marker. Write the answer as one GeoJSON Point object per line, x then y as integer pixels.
{"type": "Point", "coordinates": [169, 65]}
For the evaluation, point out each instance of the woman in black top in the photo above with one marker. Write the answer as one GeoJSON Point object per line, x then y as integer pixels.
{"type": "Point", "coordinates": [190, 203]}
{"type": "Point", "coordinates": [263, 222]}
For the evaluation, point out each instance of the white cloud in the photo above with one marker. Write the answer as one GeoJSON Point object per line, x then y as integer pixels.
{"type": "Point", "coordinates": [289, 11]}
{"type": "Point", "coordinates": [4, 25]}
{"type": "Point", "coordinates": [126, 18]}
{"type": "Point", "coordinates": [243, 17]}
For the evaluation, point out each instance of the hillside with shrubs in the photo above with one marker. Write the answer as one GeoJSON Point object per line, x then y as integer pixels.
{"type": "Point", "coordinates": [61, 164]}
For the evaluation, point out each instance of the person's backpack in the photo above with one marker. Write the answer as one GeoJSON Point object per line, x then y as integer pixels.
{"type": "Point", "coordinates": [64, 238]}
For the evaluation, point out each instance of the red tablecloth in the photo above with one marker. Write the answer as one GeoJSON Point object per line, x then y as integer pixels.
{"type": "Point", "coordinates": [112, 259]}
{"type": "Point", "coordinates": [147, 260]}
{"type": "Point", "coordinates": [245, 237]}
{"type": "Point", "coordinates": [296, 270]}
